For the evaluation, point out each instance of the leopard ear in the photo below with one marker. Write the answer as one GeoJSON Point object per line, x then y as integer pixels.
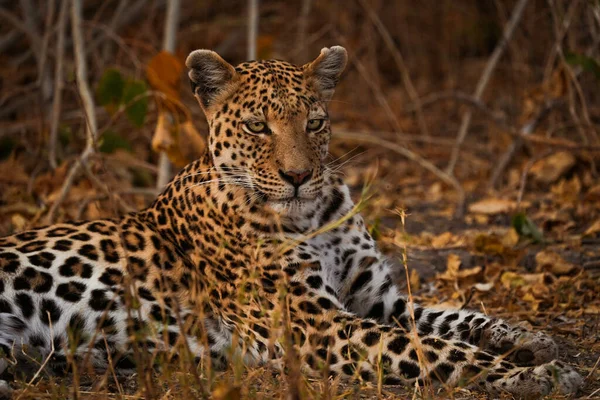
{"type": "Point", "coordinates": [211, 77]}
{"type": "Point", "coordinates": [324, 72]}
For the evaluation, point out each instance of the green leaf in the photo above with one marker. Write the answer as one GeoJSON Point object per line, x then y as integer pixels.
{"type": "Point", "coordinates": [136, 110]}
{"type": "Point", "coordinates": [112, 141]}
{"type": "Point", "coordinates": [526, 228]}
{"type": "Point", "coordinates": [587, 63]}
{"type": "Point", "coordinates": [110, 88]}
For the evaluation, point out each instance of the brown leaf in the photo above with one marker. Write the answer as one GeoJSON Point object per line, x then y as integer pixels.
{"type": "Point", "coordinates": [553, 167]}
{"type": "Point", "coordinates": [492, 206]}
{"type": "Point", "coordinates": [454, 273]}
{"type": "Point", "coordinates": [164, 73]}
{"type": "Point", "coordinates": [182, 142]}
{"type": "Point", "coordinates": [552, 262]}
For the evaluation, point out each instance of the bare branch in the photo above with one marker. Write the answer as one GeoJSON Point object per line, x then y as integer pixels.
{"type": "Point", "coordinates": [88, 106]}
{"type": "Point", "coordinates": [252, 28]}
{"type": "Point", "coordinates": [169, 39]}
{"type": "Point", "coordinates": [443, 176]}
{"type": "Point", "coordinates": [464, 98]}
{"type": "Point", "coordinates": [58, 83]}
{"type": "Point", "coordinates": [484, 79]}
{"type": "Point", "coordinates": [399, 60]}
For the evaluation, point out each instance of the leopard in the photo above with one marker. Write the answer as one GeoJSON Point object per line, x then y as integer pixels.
{"type": "Point", "coordinates": [254, 251]}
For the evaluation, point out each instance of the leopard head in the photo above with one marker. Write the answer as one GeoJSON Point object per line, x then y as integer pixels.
{"type": "Point", "coordinates": [268, 122]}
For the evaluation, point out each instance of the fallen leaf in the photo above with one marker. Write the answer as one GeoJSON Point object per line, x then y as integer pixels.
{"type": "Point", "coordinates": [454, 273]}
{"type": "Point", "coordinates": [550, 261]}
{"type": "Point", "coordinates": [553, 167]}
{"type": "Point", "coordinates": [442, 240]}
{"type": "Point", "coordinates": [492, 206]}
{"type": "Point", "coordinates": [511, 279]}
{"type": "Point", "coordinates": [510, 238]}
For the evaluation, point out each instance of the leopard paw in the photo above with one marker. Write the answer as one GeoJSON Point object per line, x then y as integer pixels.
{"type": "Point", "coordinates": [536, 382]}
{"type": "Point", "coordinates": [519, 345]}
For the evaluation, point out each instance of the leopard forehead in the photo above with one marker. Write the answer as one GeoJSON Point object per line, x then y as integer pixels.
{"type": "Point", "coordinates": [273, 87]}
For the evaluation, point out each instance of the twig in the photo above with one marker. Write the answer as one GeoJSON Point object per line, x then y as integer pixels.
{"type": "Point", "coordinates": [252, 28]}
{"type": "Point", "coordinates": [379, 96]}
{"type": "Point", "coordinates": [169, 39]}
{"type": "Point", "coordinates": [58, 84]}
{"type": "Point", "coordinates": [7, 40]}
{"type": "Point", "coordinates": [399, 60]}
{"type": "Point", "coordinates": [484, 79]}
{"type": "Point", "coordinates": [443, 176]}
{"type": "Point", "coordinates": [437, 140]}
{"type": "Point", "coordinates": [572, 75]}
{"type": "Point", "coordinates": [20, 25]}
{"type": "Point", "coordinates": [88, 106]}
{"type": "Point", "coordinates": [462, 97]}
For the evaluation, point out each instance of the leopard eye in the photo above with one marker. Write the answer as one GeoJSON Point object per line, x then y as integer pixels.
{"type": "Point", "coordinates": [256, 127]}
{"type": "Point", "coordinates": [315, 125]}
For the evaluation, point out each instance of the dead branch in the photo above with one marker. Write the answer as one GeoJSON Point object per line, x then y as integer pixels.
{"type": "Point", "coordinates": [484, 79]}
{"type": "Point", "coordinates": [379, 96]}
{"type": "Point", "coordinates": [461, 97]}
{"type": "Point", "coordinates": [443, 176]}
{"type": "Point", "coordinates": [572, 74]}
{"type": "Point", "coordinates": [169, 39]}
{"type": "Point", "coordinates": [399, 60]}
{"type": "Point", "coordinates": [58, 84]}
{"type": "Point", "coordinates": [88, 106]}
{"type": "Point", "coordinates": [252, 28]}
{"type": "Point", "coordinates": [33, 37]}
{"type": "Point", "coordinates": [436, 140]}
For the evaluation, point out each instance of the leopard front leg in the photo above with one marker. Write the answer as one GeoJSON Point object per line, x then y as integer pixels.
{"type": "Point", "coordinates": [379, 298]}
{"type": "Point", "coordinates": [331, 340]}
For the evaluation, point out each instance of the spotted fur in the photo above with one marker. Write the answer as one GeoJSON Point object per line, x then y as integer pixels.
{"type": "Point", "coordinates": [255, 247]}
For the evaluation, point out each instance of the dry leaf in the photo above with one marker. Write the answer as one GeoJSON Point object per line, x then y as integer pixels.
{"type": "Point", "coordinates": [442, 240]}
{"type": "Point", "coordinates": [553, 167]}
{"type": "Point", "coordinates": [512, 279]}
{"type": "Point", "coordinates": [164, 74]}
{"type": "Point", "coordinates": [511, 238]}
{"type": "Point", "coordinates": [492, 206]}
{"type": "Point", "coordinates": [454, 273]}
{"type": "Point", "coordinates": [550, 261]}
{"type": "Point", "coordinates": [182, 142]}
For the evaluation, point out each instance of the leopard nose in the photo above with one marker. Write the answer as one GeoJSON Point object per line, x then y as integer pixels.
{"type": "Point", "coordinates": [295, 177]}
